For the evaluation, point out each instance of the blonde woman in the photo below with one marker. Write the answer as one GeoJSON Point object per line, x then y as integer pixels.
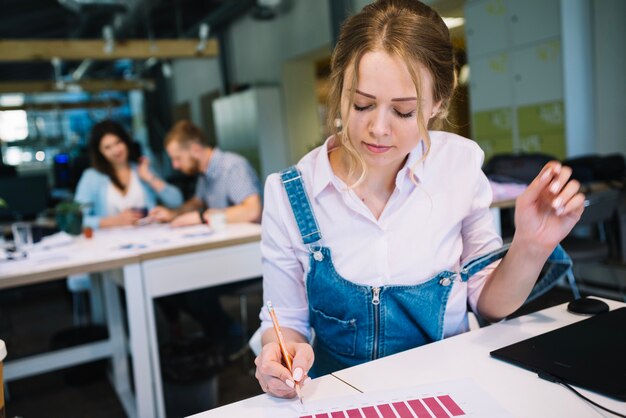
{"type": "Point", "coordinates": [379, 239]}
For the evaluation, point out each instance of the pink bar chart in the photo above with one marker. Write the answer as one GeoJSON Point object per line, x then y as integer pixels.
{"type": "Point", "coordinates": [462, 398]}
{"type": "Point", "coordinates": [441, 406]}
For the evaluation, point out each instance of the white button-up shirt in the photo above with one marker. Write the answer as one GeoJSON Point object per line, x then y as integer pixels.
{"type": "Point", "coordinates": [439, 222]}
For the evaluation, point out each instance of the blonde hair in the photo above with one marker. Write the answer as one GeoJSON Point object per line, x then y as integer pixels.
{"type": "Point", "coordinates": [407, 29]}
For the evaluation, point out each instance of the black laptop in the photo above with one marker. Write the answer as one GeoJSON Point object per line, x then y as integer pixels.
{"type": "Point", "coordinates": [590, 354]}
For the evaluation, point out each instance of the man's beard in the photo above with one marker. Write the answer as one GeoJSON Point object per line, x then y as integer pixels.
{"type": "Point", "coordinates": [194, 170]}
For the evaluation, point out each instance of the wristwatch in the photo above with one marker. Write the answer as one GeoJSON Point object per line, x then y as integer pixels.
{"type": "Point", "coordinates": [201, 214]}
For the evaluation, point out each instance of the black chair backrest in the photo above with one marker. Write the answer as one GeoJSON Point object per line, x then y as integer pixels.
{"type": "Point", "coordinates": [603, 168]}
{"type": "Point", "coordinates": [600, 206]}
{"type": "Point", "coordinates": [516, 168]}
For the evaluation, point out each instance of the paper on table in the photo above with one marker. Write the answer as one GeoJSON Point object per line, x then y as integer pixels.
{"type": "Point", "coordinates": [58, 239]}
{"type": "Point", "coordinates": [439, 400]}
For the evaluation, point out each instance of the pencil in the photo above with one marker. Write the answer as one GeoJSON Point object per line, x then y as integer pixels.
{"type": "Point", "coordinates": [281, 344]}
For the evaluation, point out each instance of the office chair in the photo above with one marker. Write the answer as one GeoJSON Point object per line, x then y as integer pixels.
{"type": "Point", "coordinates": [594, 246]}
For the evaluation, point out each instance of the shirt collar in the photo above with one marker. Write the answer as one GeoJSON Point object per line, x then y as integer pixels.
{"type": "Point", "coordinates": [323, 173]}
{"type": "Point", "coordinates": [324, 176]}
{"type": "Point", "coordinates": [213, 170]}
{"type": "Point", "coordinates": [416, 163]}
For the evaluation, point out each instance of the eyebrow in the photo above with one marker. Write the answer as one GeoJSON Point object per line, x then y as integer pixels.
{"type": "Point", "coordinates": [399, 99]}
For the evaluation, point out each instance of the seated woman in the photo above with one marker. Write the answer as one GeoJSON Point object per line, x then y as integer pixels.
{"type": "Point", "coordinates": [380, 238]}
{"type": "Point", "coordinates": [120, 187]}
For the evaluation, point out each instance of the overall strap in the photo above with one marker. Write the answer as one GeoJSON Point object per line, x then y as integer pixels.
{"type": "Point", "coordinates": [300, 205]}
{"type": "Point", "coordinates": [558, 264]}
{"type": "Point", "coordinates": [474, 266]}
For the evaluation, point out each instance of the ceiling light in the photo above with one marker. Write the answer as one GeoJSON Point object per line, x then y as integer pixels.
{"type": "Point", "coordinates": [11, 100]}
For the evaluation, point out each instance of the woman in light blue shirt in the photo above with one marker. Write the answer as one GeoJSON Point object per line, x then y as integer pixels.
{"type": "Point", "coordinates": [120, 187]}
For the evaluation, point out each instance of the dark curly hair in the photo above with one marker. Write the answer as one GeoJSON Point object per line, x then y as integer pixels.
{"type": "Point", "coordinates": [98, 161]}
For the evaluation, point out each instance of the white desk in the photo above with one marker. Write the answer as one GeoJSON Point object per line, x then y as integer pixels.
{"type": "Point", "coordinates": [521, 392]}
{"type": "Point", "coordinates": [260, 406]}
{"type": "Point", "coordinates": [155, 261]}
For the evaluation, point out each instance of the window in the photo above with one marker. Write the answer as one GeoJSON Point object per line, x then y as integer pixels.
{"type": "Point", "coordinates": [13, 125]}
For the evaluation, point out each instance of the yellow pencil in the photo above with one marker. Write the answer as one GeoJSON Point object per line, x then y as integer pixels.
{"type": "Point", "coordinates": [281, 344]}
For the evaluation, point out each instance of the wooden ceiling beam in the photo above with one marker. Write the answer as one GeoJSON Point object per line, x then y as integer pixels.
{"type": "Point", "coordinates": [42, 86]}
{"type": "Point", "coordinates": [75, 49]}
{"type": "Point", "coordinates": [95, 104]}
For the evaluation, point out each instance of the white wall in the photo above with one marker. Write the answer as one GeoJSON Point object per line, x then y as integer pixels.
{"type": "Point", "coordinates": [609, 68]}
{"type": "Point", "coordinates": [577, 47]}
{"type": "Point", "coordinates": [193, 78]}
{"type": "Point", "coordinates": [259, 48]}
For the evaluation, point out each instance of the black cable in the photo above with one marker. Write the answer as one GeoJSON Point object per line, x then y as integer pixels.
{"type": "Point", "coordinates": [556, 380]}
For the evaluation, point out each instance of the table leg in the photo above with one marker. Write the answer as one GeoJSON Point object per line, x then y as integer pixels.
{"type": "Point", "coordinates": [137, 308]}
{"type": "Point", "coordinates": [117, 336]}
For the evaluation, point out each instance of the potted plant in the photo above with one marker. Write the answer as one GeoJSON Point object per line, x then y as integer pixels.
{"type": "Point", "coordinates": [69, 217]}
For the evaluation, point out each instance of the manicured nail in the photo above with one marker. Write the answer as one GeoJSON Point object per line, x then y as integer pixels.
{"type": "Point", "coordinates": [557, 203]}
{"type": "Point", "coordinates": [297, 374]}
{"type": "Point", "coordinates": [306, 381]}
{"type": "Point", "coordinates": [290, 383]}
{"type": "Point", "coordinates": [545, 175]}
{"type": "Point", "coordinates": [560, 210]}
{"type": "Point", "coordinates": [554, 187]}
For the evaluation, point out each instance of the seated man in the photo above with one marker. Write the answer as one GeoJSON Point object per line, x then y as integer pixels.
{"type": "Point", "coordinates": [227, 184]}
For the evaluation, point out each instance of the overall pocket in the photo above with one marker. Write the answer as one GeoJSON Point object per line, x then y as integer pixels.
{"type": "Point", "coordinates": [336, 334]}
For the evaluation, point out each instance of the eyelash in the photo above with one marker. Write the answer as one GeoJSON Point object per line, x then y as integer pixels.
{"type": "Point", "coordinates": [399, 114]}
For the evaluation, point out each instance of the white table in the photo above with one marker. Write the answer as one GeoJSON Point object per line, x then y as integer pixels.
{"type": "Point", "coordinates": [464, 356]}
{"type": "Point", "coordinates": [155, 261]}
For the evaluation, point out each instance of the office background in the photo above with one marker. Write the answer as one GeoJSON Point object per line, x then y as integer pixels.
{"type": "Point", "coordinates": [536, 76]}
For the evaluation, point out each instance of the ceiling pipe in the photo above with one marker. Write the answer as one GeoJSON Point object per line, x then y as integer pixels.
{"type": "Point", "coordinates": [217, 21]}
{"type": "Point", "coordinates": [121, 26]}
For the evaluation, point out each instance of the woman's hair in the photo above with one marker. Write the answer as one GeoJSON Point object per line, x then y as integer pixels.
{"type": "Point", "coordinates": [407, 29]}
{"type": "Point", "coordinates": [98, 161]}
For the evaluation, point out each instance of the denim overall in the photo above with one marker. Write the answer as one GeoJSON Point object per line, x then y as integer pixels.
{"type": "Point", "coordinates": [355, 323]}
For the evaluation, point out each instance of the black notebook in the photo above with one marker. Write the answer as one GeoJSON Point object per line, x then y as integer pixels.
{"type": "Point", "coordinates": [590, 354]}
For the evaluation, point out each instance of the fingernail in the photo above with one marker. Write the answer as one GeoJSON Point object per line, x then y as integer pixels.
{"type": "Point", "coordinates": [290, 383]}
{"type": "Point", "coordinates": [297, 374]}
{"type": "Point", "coordinates": [560, 210]}
{"type": "Point", "coordinates": [545, 175]}
{"type": "Point", "coordinates": [554, 187]}
{"type": "Point", "coordinates": [557, 203]}
{"type": "Point", "coordinates": [306, 381]}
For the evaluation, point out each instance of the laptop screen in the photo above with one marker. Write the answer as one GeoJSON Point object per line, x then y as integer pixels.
{"type": "Point", "coordinates": [588, 354]}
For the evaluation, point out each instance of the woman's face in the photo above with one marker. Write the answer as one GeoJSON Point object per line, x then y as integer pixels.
{"type": "Point", "coordinates": [113, 149]}
{"type": "Point", "coordinates": [383, 119]}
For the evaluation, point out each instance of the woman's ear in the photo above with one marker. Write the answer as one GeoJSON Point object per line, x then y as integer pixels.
{"type": "Point", "coordinates": [436, 109]}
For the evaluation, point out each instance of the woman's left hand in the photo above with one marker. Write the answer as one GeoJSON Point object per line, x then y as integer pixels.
{"type": "Point", "coordinates": [549, 208]}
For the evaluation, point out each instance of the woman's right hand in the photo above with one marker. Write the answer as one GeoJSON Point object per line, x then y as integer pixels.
{"type": "Point", "coordinates": [128, 217]}
{"type": "Point", "coordinates": [276, 379]}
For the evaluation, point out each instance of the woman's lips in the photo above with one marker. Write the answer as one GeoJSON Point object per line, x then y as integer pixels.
{"type": "Point", "coordinates": [376, 149]}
